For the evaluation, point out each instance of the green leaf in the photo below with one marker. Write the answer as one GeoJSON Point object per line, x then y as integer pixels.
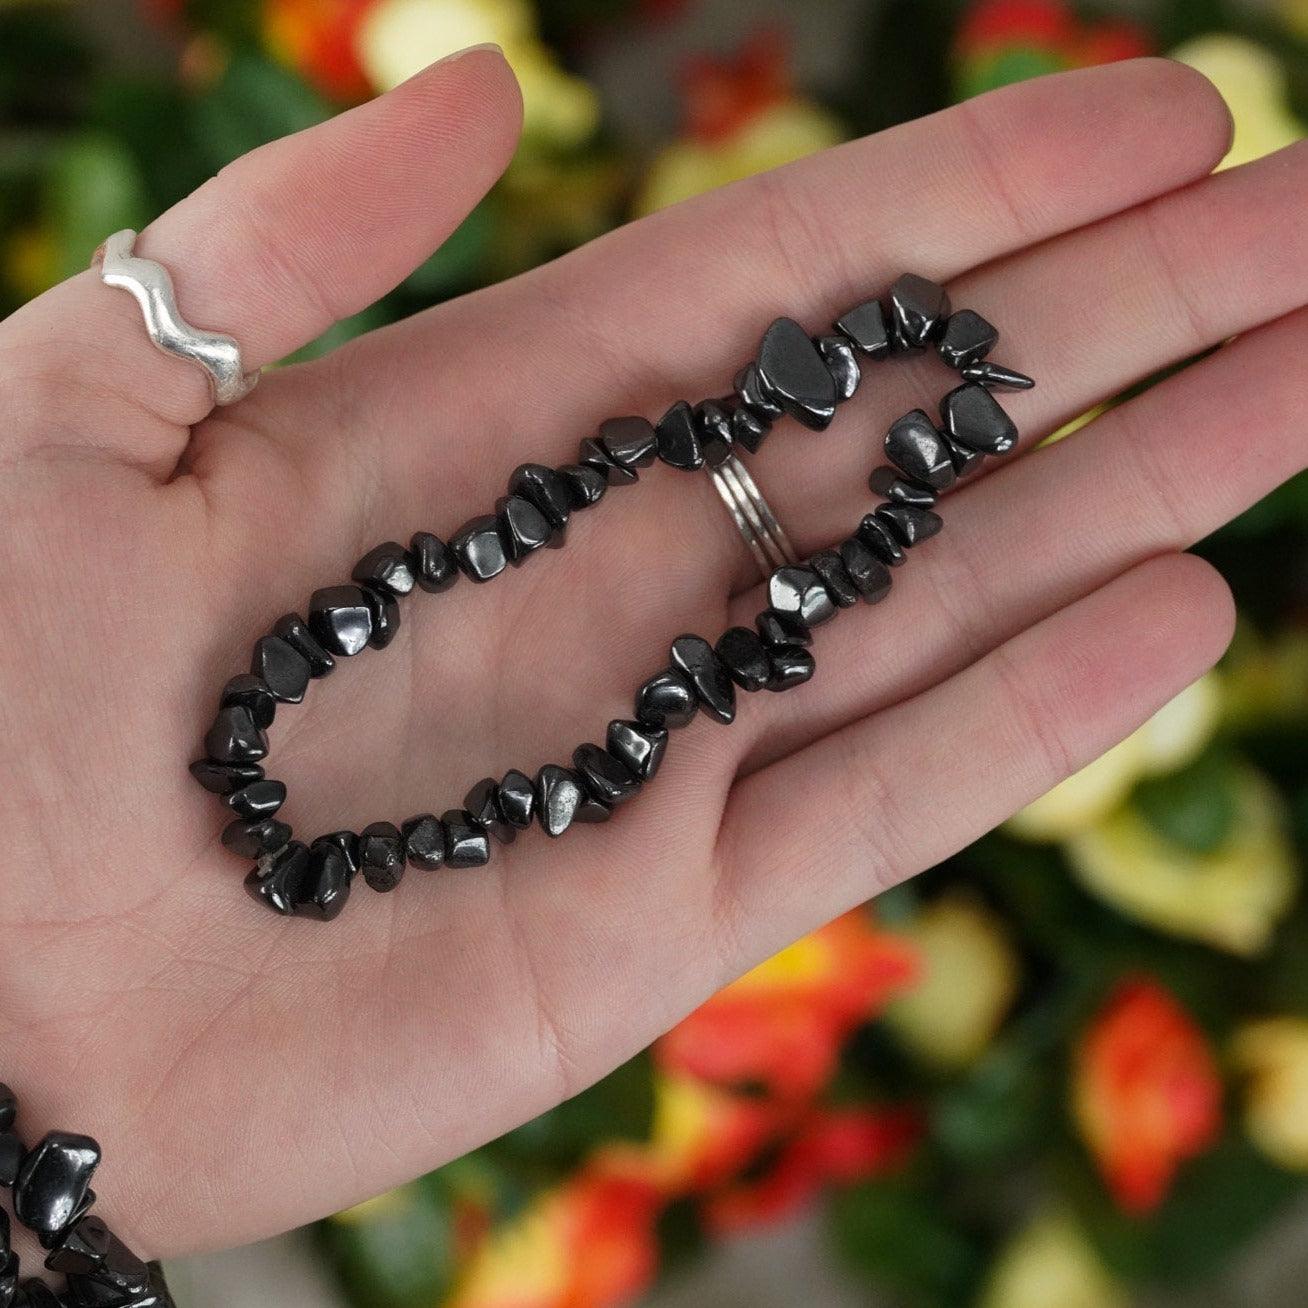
{"type": "Point", "coordinates": [455, 263]}
{"type": "Point", "coordinates": [396, 1256]}
{"type": "Point", "coordinates": [1194, 807]}
{"type": "Point", "coordinates": [900, 1240]}
{"type": "Point", "coordinates": [256, 101]}
{"type": "Point", "coordinates": [92, 189]}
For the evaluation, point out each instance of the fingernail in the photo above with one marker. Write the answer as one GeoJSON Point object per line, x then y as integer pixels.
{"type": "Point", "coordinates": [468, 49]}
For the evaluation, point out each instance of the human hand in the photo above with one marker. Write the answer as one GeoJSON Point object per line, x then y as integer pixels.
{"type": "Point", "coordinates": [247, 1073]}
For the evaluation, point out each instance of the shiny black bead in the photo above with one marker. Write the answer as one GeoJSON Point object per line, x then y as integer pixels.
{"type": "Point", "coordinates": [678, 438]}
{"type": "Point", "coordinates": [11, 1155]}
{"type": "Point", "coordinates": [745, 656]}
{"type": "Point", "coordinates": [223, 778]}
{"type": "Point", "coordinates": [259, 799]}
{"type": "Point", "coordinates": [523, 526]}
{"type": "Point", "coordinates": [283, 670]}
{"type": "Point", "coordinates": [381, 855]}
{"type": "Point", "coordinates": [918, 310]}
{"type": "Point", "coordinates": [251, 838]}
{"type": "Point", "coordinates": [295, 632]}
{"type": "Point", "coordinates": [798, 591]}
{"type": "Point", "coordinates": [667, 699]}
{"type": "Point", "coordinates": [910, 525]}
{"type": "Point", "coordinates": [974, 419]}
{"type": "Point", "coordinates": [558, 792]}
{"type": "Point", "coordinates": [868, 573]}
{"type": "Point", "coordinates": [466, 844]}
{"type": "Point", "coordinates": [778, 628]}
{"type": "Point", "coordinates": [584, 485]}
{"type": "Point", "coordinates": [385, 567]}
{"type": "Point", "coordinates": [33, 1293]}
{"type": "Point", "coordinates": [347, 842]}
{"type": "Point", "coordinates": [840, 585]}
{"type": "Point", "coordinates": [749, 386]}
{"type": "Point", "coordinates": [424, 841]}
{"type": "Point", "coordinates": [866, 326]}
{"type": "Point", "coordinates": [602, 775]}
{"type": "Point", "coordinates": [323, 887]}
{"type": "Point", "coordinates": [592, 808]}
{"type": "Point", "coordinates": [49, 1239]}
{"type": "Point", "coordinates": [275, 879]}
{"type": "Point", "coordinates": [883, 542]}
{"type": "Point", "coordinates": [714, 423]}
{"type": "Point", "coordinates": [9, 1281]}
{"type": "Point", "coordinates": [591, 454]}
{"type": "Point", "coordinates": [748, 429]}
{"type": "Point", "coordinates": [480, 548]}
{"type": "Point", "coordinates": [8, 1107]}
{"type": "Point", "coordinates": [433, 563]}
{"type": "Point", "coordinates": [516, 797]}
{"type": "Point", "coordinates": [482, 806]}
{"type": "Point", "coordinates": [708, 674]}
{"type": "Point", "coordinates": [119, 1277]}
{"type": "Point", "coordinates": [995, 374]}
{"type": "Point", "coordinates": [919, 451]}
{"type": "Point", "coordinates": [792, 373]}
{"type": "Point", "coordinates": [838, 354]}
{"type": "Point", "coordinates": [629, 442]}
{"type": "Point", "coordinates": [252, 692]}
{"type": "Point", "coordinates": [965, 461]}
{"type": "Point", "coordinates": [82, 1248]}
{"type": "Point", "coordinates": [967, 338]}
{"type": "Point", "coordinates": [340, 619]}
{"type": "Point", "coordinates": [546, 490]}
{"type": "Point", "coordinates": [384, 610]}
{"type": "Point", "coordinates": [887, 483]}
{"type": "Point", "coordinates": [5, 1247]}
{"type": "Point", "coordinates": [53, 1179]}
{"type": "Point", "coordinates": [791, 666]}
{"type": "Point", "coordinates": [639, 747]}
{"type": "Point", "coordinates": [234, 738]}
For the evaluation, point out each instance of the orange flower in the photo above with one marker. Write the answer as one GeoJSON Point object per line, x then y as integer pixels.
{"type": "Point", "coordinates": [1146, 1093]}
{"type": "Point", "coordinates": [842, 1145]}
{"type": "Point", "coordinates": [587, 1243]}
{"type": "Point", "coordinates": [779, 1028]}
{"type": "Point", "coordinates": [318, 39]}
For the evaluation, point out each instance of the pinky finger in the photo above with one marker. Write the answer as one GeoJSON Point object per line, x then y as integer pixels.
{"type": "Point", "coordinates": [889, 795]}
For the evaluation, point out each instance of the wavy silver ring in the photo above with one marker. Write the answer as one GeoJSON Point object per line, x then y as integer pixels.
{"type": "Point", "coordinates": [149, 282]}
{"type": "Point", "coordinates": [757, 524]}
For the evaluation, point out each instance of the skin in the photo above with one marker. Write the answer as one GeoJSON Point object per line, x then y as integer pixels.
{"type": "Point", "coordinates": [247, 1073]}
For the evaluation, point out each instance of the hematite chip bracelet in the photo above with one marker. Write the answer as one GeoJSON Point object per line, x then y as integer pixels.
{"type": "Point", "coordinates": [794, 375]}
{"type": "Point", "coordinates": [49, 1185]}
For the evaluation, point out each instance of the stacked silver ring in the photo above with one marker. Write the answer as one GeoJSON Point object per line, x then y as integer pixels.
{"type": "Point", "coordinates": [767, 541]}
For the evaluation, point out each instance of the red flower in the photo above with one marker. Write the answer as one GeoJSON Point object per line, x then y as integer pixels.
{"type": "Point", "coordinates": [318, 38]}
{"type": "Point", "coordinates": [1146, 1092]}
{"type": "Point", "coordinates": [722, 94]}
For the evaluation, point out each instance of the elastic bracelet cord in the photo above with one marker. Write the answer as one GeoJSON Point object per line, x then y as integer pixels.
{"type": "Point", "coordinates": [794, 375]}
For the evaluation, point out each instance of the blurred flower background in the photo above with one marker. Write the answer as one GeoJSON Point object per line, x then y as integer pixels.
{"type": "Point", "coordinates": [1068, 1068]}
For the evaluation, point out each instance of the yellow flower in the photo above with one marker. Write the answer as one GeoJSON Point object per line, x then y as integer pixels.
{"type": "Point", "coordinates": [1273, 1054]}
{"type": "Point", "coordinates": [1266, 678]}
{"type": "Point", "coordinates": [969, 975]}
{"type": "Point", "coordinates": [1230, 897]}
{"type": "Point", "coordinates": [1170, 739]}
{"type": "Point", "coordinates": [1051, 1264]}
{"type": "Point", "coordinates": [774, 136]}
{"type": "Point", "coordinates": [1253, 83]}
{"type": "Point", "coordinates": [399, 37]}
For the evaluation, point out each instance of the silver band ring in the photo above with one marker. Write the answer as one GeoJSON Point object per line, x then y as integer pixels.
{"type": "Point", "coordinates": [149, 282]}
{"type": "Point", "coordinates": [757, 524]}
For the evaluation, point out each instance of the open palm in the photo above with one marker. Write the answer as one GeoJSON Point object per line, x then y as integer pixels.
{"type": "Point", "coordinates": [245, 1072]}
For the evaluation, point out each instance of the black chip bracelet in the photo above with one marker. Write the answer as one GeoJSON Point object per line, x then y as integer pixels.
{"type": "Point", "coordinates": [794, 375]}
{"type": "Point", "coordinates": [50, 1189]}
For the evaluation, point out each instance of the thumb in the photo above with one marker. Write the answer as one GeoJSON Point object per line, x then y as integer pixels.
{"type": "Point", "coordinates": [282, 243]}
